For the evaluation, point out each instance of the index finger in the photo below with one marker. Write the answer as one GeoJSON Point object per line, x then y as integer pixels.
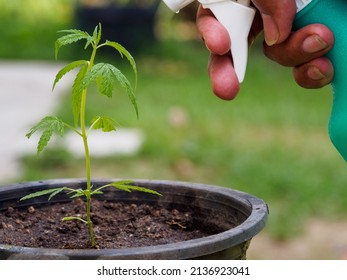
{"type": "Point", "coordinates": [215, 36]}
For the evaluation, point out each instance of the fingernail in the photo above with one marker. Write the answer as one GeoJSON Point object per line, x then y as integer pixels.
{"type": "Point", "coordinates": [315, 74]}
{"type": "Point", "coordinates": [271, 32]}
{"type": "Point", "coordinates": [313, 44]}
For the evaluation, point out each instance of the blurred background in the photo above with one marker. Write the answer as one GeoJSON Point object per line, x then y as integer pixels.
{"type": "Point", "coordinates": [271, 141]}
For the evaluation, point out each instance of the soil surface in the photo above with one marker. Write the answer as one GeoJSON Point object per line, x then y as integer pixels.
{"type": "Point", "coordinates": [116, 225]}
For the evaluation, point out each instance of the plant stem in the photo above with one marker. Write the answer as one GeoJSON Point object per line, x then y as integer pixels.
{"type": "Point", "coordinates": [88, 173]}
{"type": "Point", "coordinates": [87, 154]}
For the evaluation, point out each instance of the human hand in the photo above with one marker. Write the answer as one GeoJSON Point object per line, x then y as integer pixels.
{"type": "Point", "coordinates": [303, 50]}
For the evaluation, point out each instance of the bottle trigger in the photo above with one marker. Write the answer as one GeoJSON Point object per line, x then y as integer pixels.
{"type": "Point", "coordinates": [237, 17]}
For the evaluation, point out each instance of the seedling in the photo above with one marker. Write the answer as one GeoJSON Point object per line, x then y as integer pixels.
{"type": "Point", "coordinates": [106, 76]}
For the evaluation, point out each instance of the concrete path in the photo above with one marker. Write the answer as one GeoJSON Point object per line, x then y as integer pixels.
{"type": "Point", "coordinates": [25, 97]}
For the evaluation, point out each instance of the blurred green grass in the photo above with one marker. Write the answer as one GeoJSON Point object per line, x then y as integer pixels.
{"type": "Point", "coordinates": [28, 27]}
{"type": "Point", "coordinates": [271, 141]}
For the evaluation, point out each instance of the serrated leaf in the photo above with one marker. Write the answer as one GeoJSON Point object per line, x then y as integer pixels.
{"type": "Point", "coordinates": [101, 74]}
{"type": "Point", "coordinates": [107, 124]}
{"type": "Point", "coordinates": [97, 34]}
{"type": "Point", "coordinates": [48, 125]}
{"type": "Point", "coordinates": [124, 186]}
{"type": "Point", "coordinates": [123, 51]}
{"type": "Point", "coordinates": [106, 75]}
{"type": "Point", "coordinates": [67, 69]}
{"type": "Point", "coordinates": [52, 192]}
{"type": "Point", "coordinates": [132, 97]}
{"type": "Point", "coordinates": [73, 36]}
{"type": "Point", "coordinates": [77, 89]}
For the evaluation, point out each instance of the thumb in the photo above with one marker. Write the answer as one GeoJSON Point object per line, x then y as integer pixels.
{"type": "Point", "coordinates": [277, 19]}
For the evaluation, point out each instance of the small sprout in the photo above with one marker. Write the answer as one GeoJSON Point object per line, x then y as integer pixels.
{"type": "Point", "coordinates": [106, 76]}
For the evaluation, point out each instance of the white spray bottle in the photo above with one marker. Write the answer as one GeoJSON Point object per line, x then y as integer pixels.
{"type": "Point", "coordinates": [237, 17]}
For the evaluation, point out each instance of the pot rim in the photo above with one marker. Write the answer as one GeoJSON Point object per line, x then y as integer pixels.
{"type": "Point", "coordinates": [253, 224]}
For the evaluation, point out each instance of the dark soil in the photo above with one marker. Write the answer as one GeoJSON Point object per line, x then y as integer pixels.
{"type": "Point", "coordinates": [116, 225]}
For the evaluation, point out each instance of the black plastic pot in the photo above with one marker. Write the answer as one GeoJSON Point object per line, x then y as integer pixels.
{"type": "Point", "coordinates": [244, 214]}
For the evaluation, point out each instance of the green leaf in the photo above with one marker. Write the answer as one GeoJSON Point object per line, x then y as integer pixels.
{"type": "Point", "coordinates": [125, 186]}
{"type": "Point", "coordinates": [73, 36]}
{"type": "Point", "coordinates": [107, 124]}
{"type": "Point", "coordinates": [77, 89]}
{"type": "Point", "coordinates": [132, 98]}
{"type": "Point", "coordinates": [106, 76]}
{"type": "Point", "coordinates": [48, 125]}
{"type": "Point", "coordinates": [75, 192]}
{"type": "Point", "coordinates": [59, 190]}
{"type": "Point", "coordinates": [97, 34]}
{"type": "Point", "coordinates": [101, 74]}
{"type": "Point", "coordinates": [96, 192]}
{"type": "Point", "coordinates": [67, 69]}
{"type": "Point", "coordinates": [65, 219]}
{"type": "Point", "coordinates": [122, 51]}
{"type": "Point", "coordinates": [52, 193]}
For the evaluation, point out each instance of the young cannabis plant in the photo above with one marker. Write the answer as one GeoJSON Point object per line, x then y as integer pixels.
{"type": "Point", "coordinates": [106, 76]}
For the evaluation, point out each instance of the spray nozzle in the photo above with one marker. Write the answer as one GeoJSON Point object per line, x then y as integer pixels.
{"type": "Point", "coordinates": [237, 17]}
